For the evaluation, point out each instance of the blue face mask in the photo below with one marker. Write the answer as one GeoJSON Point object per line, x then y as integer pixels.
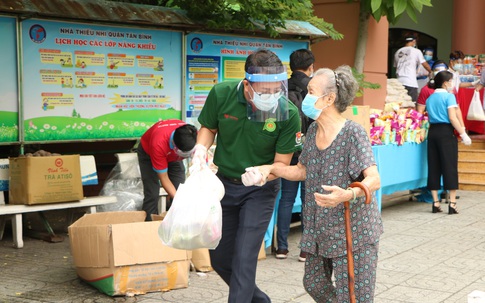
{"type": "Point", "coordinates": [428, 57]}
{"type": "Point", "coordinates": [308, 106]}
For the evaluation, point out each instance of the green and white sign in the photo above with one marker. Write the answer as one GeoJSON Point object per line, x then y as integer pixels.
{"type": "Point", "coordinates": [9, 110]}
{"type": "Point", "coordinates": [97, 82]}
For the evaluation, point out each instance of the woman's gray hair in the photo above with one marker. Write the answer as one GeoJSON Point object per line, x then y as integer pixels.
{"type": "Point", "coordinates": [341, 82]}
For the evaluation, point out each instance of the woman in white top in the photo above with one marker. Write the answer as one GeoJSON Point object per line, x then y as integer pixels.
{"type": "Point", "coordinates": [456, 60]}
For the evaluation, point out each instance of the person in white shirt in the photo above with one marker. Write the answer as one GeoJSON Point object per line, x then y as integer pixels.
{"type": "Point", "coordinates": [455, 67]}
{"type": "Point", "coordinates": [407, 60]}
{"type": "Point", "coordinates": [481, 82]}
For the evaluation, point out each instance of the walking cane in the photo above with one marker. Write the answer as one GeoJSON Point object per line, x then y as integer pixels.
{"type": "Point", "coordinates": [348, 234]}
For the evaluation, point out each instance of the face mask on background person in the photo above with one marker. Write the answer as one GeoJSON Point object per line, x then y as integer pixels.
{"type": "Point", "coordinates": [265, 102]}
{"type": "Point", "coordinates": [449, 87]}
{"type": "Point", "coordinates": [428, 57]}
{"type": "Point", "coordinates": [308, 106]}
{"type": "Point", "coordinates": [458, 67]}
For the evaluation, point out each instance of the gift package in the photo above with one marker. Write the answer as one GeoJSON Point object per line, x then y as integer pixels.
{"type": "Point", "coordinates": [397, 125]}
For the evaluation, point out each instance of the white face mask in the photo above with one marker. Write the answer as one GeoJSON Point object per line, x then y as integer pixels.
{"type": "Point", "coordinates": [449, 87]}
{"type": "Point", "coordinates": [265, 102]}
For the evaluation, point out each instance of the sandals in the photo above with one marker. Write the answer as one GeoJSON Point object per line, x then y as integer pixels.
{"type": "Point", "coordinates": [452, 210]}
{"type": "Point", "coordinates": [437, 207]}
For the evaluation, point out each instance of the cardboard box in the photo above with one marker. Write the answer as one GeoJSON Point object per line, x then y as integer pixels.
{"type": "Point", "coordinates": [359, 114]}
{"type": "Point", "coordinates": [40, 180]}
{"type": "Point", "coordinates": [4, 174]}
{"type": "Point", "coordinates": [120, 254]}
{"type": "Point", "coordinates": [89, 174]}
{"type": "Point", "coordinates": [201, 260]}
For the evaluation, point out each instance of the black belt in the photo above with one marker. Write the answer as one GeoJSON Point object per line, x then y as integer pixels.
{"type": "Point", "coordinates": [232, 180]}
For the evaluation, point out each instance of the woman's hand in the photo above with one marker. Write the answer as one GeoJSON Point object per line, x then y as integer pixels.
{"type": "Point", "coordinates": [334, 197]}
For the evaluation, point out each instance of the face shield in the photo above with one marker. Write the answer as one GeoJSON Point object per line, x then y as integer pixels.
{"type": "Point", "coordinates": [181, 153]}
{"type": "Point", "coordinates": [268, 91]}
{"type": "Point", "coordinates": [439, 68]}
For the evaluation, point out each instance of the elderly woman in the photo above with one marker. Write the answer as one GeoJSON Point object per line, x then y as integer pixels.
{"type": "Point", "coordinates": [336, 153]}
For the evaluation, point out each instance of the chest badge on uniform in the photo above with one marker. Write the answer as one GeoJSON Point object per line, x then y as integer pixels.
{"type": "Point", "coordinates": [270, 125]}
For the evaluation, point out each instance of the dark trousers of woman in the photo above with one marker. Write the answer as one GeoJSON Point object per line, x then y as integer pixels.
{"type": "Point", "coordinates": [151, 182]}
{"type": "Point", "coordinates": [442, 157]}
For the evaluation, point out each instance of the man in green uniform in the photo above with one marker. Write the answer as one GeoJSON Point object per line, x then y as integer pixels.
{"type": "Point", "coordinates": [255, 125]}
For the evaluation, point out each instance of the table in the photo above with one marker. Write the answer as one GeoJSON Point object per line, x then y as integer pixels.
{"type": "Point", "coordinates": [16, 211]}
{"type": "Point", "coordinates": [464, 98]}
{"type": "Point", "coordinates": [401, 168]}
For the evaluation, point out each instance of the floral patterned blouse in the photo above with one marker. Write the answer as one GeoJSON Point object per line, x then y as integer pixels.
{"type": "Point", "coordinates": [339, 164]}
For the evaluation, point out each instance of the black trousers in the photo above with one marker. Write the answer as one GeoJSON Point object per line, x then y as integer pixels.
{"type": "Point", "coordinates": [412, 92]}
{"type": "Point", "coordinates": [442, 157]}
{"type": "Point", "coordinates": [151, 182]}
{"type": "Point", "coordinates": [246, 212]}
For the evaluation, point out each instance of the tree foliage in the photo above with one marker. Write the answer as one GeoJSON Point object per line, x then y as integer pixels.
{"type": "Point", "coordinates": [248, 14]}
{"type": "Point", "coordinates": [392, 9]}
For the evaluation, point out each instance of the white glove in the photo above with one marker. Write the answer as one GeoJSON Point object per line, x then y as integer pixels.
{"type": "Point", "coordinates": [252, 176]}
{"type": "Point", "coordinates": [474, 83]}
{"type": "Point", "coordinates": [466, 139]}
{"type": "Point", "coordinates": [199, 156]}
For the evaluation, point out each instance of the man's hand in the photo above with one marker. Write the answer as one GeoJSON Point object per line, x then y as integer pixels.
{"type": "Point", "coordinates": [199, 157]}
{"type": "Point", "coordinates": [253, 176]}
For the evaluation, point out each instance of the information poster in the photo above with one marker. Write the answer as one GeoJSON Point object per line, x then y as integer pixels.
{"type": "Point", "coordinates": [82, 81]}
{"type": "Point", "coordinates": [9, 110]}
{"type": "Point", "coordinates": [215, 58]}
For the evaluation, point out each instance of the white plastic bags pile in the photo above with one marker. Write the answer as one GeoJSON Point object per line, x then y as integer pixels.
{"type": "Point", "coordinates": [195, 218]}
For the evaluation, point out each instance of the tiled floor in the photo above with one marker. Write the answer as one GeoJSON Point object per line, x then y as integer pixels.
{"type": "Point", "coordinates": [424, 258]}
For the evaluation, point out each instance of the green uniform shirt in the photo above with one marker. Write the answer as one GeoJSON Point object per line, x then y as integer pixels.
{"type": "Point", "coordinates": [241, 142]}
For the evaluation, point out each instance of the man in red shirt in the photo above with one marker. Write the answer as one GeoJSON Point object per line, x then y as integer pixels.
{"type": "Point", "coordinates": [160, 153]}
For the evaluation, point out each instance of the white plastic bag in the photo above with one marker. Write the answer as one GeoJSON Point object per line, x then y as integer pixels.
{"type": "Point", "coordinates": [484, 98]}
{"type": "Point", "coordinates": [475, 111]}
{"type": "Point", "coordinates": [195, 218]}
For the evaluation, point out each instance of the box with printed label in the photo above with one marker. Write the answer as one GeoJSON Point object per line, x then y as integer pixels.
{"type": "Point", "coordinates": [359, 114]}
{"type": "Point", "coordinates": [3, 174]}
{"type": "Point", "coordinates": [120, 254]}
{"type": "Point", "coordinates": [41, 180]}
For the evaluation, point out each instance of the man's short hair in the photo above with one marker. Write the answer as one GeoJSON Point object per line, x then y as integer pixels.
{"type": "Point", "coordinates": [408, 37]}
{"type": "Point", "coordinates": [301, 59]}
{"type": "Point", "coordinates": [185, 137]}
{"type": "Point", "coordinates": [458, 54]}
{"type": "Point", "coordinates": [263, 58]}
